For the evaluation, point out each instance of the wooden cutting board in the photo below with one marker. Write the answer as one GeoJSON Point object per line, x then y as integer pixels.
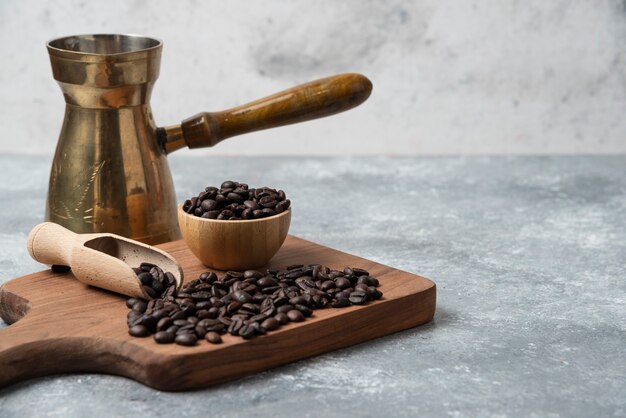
{"type": "Point", "coordinates": [61, 325]}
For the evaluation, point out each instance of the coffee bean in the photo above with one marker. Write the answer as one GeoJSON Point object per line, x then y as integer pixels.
{"type": "Point", "coordinates": [340, 303]}
{"type": "Point", "coordinates": [360, 272]}
{"type": "Point", "coordinates": [251, 204]}
{"type": "Point", "coordinates": [208, 277]}
{"type": "Point", "coordinates": [187, 339]}
{"type": "Point", "coordinates": [228, 184]}
{"type": "Point", "coordinates": [150, 291]}
{"type": "Point", "coordinates": [164, 337]}
{"type": "Point", "coordinates": [294, 274]}
{"type": "Point", "coordinates": [268, 212]}
{"type": "Point", "coordinates": [157, 273]}
{"type": "Point", "coordinates": [164, 323]}
{"type": "Point", "coordinates": [208, 205]}
{"type": "Point", "coordinates": [328, 284]}
{"type": "Point", "coordinates": [267, 281]}
{"type": "Point", "coordinates": [190, 309]}
{"type": "Point", "coordinates": [285, 308]}
{"type": "Point", "coordinates": [157, 286]}
{"type": "Point", "coordinates": [149, 322]}
{"type": "Point", "coordinates": [342, 283]}
{"type": "Point", "coordinates": [361, 287]}
{"type": "Point", "coordinates": [181, 322]}
{"type": "Point", "coordinates": [131, 302]}
{"type": "Point", "coordinates": [270, 324]}
{"type": "Point", "coordinates": [247, 214]}
{"type": "Point", "coordinates": [284, 205]}
{"type": "Point", "coordinates": [146, 266]}
{"type": "Point", "coordinates": [249, 307]}
{"type": "Point", "coordinates": [160, 313]}
{"type": "Point", "coordinates": [252, 274]}
{"type": "Point", "coordinates": [375, 293]}
{"type": "Point", "coordinates": [233, 307]}
{"type": "Point", "coordinates": [208, 322]}
{"type": "Point", "coordinates": [235, 326]}
{"type": "Point", "coordinates": [225, 214]}
{"type": "Point", "coordinates": [200, 331]}
{"type": "Point", "coordinates": [259, 318]}
{"type": "Point", "coordinates": [213, 337]}
{"type": "Point", "coordinates": [247, 332]}
{"type": "Point", "coordinates": [216, 328]}
{"type": "Point", "coordinates": [358, 298]}
{"type": "Point", "coordinates": [57, 268]}
{"type": "Point", "coordinates": [298, 300]}
{"type": "Point", "coordinates": [187, 329]}
{"type": "Point", "coordinates": [295, 315]}
{"type": "Point", "coordinates": [139, 331]}
{"type": "Point", "coordinates": [234, 197]}
{"type": "Point", "coordinates": [178, 315]}
{"type": "Point", "coordinates": [304, 310]}
{"type": "Point", "coordinates": [145, 278]}
{"type": "Point", "coordinates": [242, 296]}
{"type": "Point", "coordinates": [282, 318]}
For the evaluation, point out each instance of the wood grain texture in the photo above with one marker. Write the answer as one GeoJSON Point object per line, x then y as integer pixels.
{"type": "Point", "coordinates": [66, 326]}
{"type": "Point", "coordinates": [234, 245]}
{"type": "Point", "coordinates": [312, 100]}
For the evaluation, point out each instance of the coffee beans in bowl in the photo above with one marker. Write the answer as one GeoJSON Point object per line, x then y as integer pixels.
{"type": "Point", "coordinates": [236, 201]}
{"type": "Point", "coordinates": [235, 227]}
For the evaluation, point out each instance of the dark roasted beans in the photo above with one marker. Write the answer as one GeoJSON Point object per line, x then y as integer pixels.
{"type": "Point", "coordinates": [243, 304]}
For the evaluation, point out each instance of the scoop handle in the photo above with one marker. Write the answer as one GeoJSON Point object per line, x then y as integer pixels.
{"type": "Point", "coordinates": [50, 243]}
{"type": "Point", "coordinates": [316, 99]}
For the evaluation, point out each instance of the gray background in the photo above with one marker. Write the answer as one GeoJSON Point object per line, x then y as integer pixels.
{"type": "Point", "coordinates": [527, 253]}
{"type": "Point", "coordinates": [450, 77]}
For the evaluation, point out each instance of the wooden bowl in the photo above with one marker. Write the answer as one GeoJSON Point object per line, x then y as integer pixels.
{"type": "Point", "coordinates": [234, 245]}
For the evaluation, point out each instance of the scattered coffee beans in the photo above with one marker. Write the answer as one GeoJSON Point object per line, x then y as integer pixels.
{"type": "Point", "coordinates": [245, 304]}
{"type": "Point", "coordinates": [235, 201]}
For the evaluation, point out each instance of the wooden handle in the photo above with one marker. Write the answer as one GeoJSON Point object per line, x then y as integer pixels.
{"type": "Point", "coordinates": [312, 100]}
{"type": "Point", "coordinates": [50, 243]}
{"type": "Point", "coordinates": [27, 348]}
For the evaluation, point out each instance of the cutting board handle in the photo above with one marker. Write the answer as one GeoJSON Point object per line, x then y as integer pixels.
{"type": "Point", "coordinates": [25, 354]}
{"type": "Point", "coordinates": [50, 243]}
{"type": "Point", "coordinates": [40, 342]}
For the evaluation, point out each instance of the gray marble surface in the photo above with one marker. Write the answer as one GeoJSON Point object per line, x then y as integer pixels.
{"type": "Point", "coordinates": [528, 254]}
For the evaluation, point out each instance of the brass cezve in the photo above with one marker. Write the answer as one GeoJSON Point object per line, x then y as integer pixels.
{"type": "Point", "coordinates": [109, 172]}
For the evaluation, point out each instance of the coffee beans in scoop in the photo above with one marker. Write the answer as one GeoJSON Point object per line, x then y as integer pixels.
{"type": "Point", "coordinates": [236, 201]}
{"type": "Point", "coordinates": [155, 281]}
{"type": "Point", "coordinates": [247, 304]}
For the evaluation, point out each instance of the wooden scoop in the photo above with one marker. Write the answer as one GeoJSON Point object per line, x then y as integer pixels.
{"type": "Point", "coordinates": [101, 260]}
